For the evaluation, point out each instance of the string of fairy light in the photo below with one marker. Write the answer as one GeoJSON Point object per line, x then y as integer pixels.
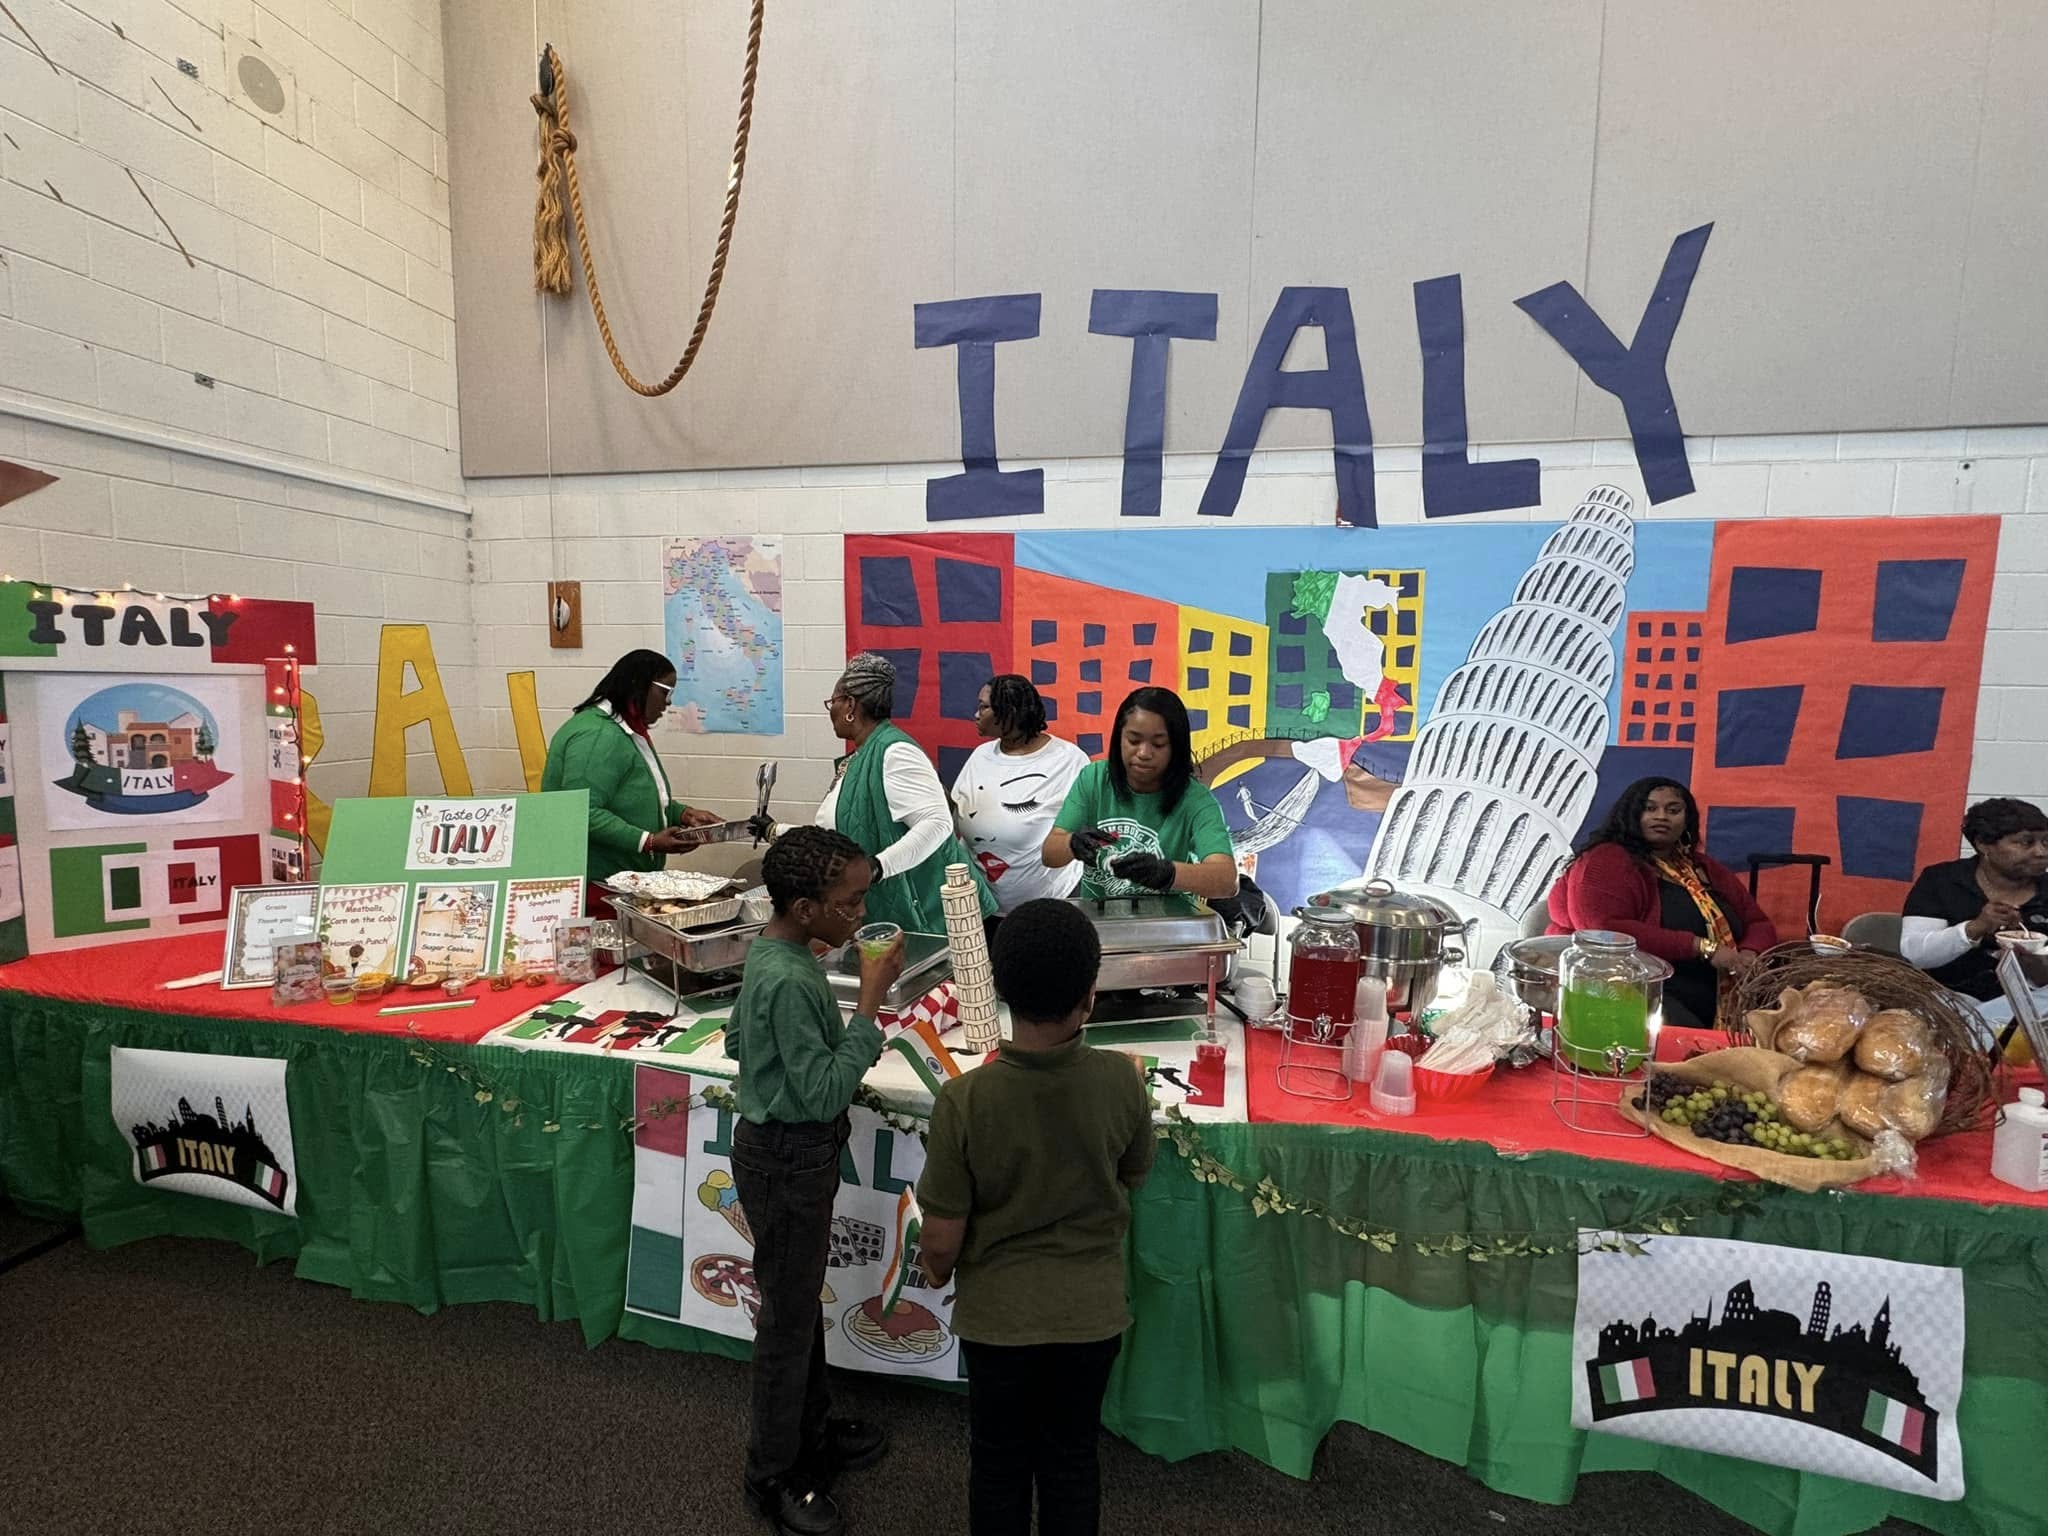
{"type": "Point", "coordinates": [61, 593]}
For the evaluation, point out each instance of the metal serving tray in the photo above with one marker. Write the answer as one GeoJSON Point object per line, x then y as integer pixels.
{"type": "Point", "coordinates": [1130, 924]}
{"type": "Point", "coordinates": [703, 952]}
{"type": "Point", "coordinates": [927, 961]}
{"type": "Point", "coordinates": [1160, 941]}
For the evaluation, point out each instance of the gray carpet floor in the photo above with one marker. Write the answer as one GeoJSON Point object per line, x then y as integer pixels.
{"type": "Point", "coordinates": [174, 1386]}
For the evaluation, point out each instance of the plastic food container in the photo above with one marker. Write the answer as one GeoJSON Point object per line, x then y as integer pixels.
{"type": "Point", "coordinates": [1449, 1087]}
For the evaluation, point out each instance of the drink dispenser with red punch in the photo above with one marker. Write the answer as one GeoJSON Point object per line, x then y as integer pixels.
{"type": "Point", "coordinates": [1322, 972]}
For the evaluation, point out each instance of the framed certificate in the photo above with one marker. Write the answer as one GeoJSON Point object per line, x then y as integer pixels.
{"type": "Point", "coordinates": [261, 917]}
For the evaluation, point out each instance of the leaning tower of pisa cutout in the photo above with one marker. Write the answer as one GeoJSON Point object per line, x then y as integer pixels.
{"type": "Point", "coordinates": [1504, 769]}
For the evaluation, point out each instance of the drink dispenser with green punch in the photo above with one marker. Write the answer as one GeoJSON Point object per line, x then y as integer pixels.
{"type": "Point", "coordinates": [1610, 1002]}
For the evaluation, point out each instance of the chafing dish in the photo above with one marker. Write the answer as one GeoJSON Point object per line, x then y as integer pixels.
{"type": "Point", "coordinates": [683, 960]}
{"type": "Point", "coordinates": [927, 961]}
{"type": "Point", "coordinates": [1160, 941]}
{"type": "Point", "coordinates": [1404, 938]}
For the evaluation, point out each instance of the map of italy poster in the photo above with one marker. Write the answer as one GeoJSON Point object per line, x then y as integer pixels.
{"type": "Point", "coordinates": [722, 628]}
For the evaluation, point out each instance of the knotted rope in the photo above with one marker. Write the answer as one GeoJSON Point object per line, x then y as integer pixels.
{"type": "Point", "coordinates": [550, 231]}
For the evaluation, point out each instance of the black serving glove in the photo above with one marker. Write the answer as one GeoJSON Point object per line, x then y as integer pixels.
{"type": "Point", "coordinates": [1088, 843]}
{"type": "Point", "coordinates": [1146, 869]}
{"type": "Point", "coordinates": [762, 827]}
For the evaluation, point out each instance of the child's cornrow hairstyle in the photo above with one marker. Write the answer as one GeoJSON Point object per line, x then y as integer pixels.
{"type": "Point", "coordinates": [804, 862]}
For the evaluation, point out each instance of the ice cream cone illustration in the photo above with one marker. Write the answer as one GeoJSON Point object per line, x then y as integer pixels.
{"type": "Point", "coordinates": [717, 1194]}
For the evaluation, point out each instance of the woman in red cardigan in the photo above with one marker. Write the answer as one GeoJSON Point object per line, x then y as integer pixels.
{"type": "Point", "coordinates": [1641, 873]}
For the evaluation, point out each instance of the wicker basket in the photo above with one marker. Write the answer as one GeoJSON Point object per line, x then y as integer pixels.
{"type": "Point", "coordinates": [1974, 1085]}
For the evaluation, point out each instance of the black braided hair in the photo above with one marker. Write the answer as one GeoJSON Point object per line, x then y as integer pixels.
{"type": "Point", "coordinates": [804, 862]}
{"type": "Point", "coordinates": [625, 686]}
{"type": "Point", "coordinates": [1016, 706]}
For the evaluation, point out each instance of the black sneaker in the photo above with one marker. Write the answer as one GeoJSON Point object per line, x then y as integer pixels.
{"type": "Point", "coordinates": [796, 1508]}
{"type": "Point", "coordinates": [851, 1444]}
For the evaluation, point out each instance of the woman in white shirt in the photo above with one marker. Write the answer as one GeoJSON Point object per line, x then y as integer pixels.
{"type": "Point", "coordinates": [889, 800]}
{"type": "Point", "coordinates": [1009, 791]}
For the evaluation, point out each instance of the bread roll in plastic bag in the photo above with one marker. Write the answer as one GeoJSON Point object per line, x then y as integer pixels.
{"type": "Point", "coordinates": [1860, 1104]}
{"type": "Point", "coordinates": [1896, 1044]}
{"type": "Point", "coordinates": [1807, 1096]}
{"type": "Point", "coordinates": [1913, 1107]}
{"type": "Point", "coordinates": [1828, 1022]}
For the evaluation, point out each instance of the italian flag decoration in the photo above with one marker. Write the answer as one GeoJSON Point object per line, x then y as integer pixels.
{"type": "Point", "coordinates": [909, 1224]}
{"type": "Point", "coordinates": [1895, 1422]}
{"type": "Point", "coordinates": [268, 1182]}
{"type": "Point", "coordinates": [1628, 1381]}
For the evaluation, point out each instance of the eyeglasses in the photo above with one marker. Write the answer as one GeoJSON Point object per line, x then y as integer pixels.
{"type": "Point", "coordinates": [666, 688]}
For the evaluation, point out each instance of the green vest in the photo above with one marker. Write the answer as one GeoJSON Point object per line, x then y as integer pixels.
{"type": "Point", "coordinates": [910, 899]}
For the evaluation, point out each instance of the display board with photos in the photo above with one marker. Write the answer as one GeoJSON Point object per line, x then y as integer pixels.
{"type": "Point", "coordinates": [450, 885]}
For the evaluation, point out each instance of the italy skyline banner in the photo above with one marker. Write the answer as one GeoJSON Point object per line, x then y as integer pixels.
{"type": "Point", "coordinates": [1823, 1362]}
{"type": "Point", "coordinates": [690, 1259]}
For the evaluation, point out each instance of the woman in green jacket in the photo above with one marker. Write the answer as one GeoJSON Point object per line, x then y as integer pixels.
{"type": "Point", "coordinates": [635, 823]}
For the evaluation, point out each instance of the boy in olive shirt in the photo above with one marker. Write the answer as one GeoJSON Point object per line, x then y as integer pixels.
{"type": "Point", "coordinates": [1024, 1183]}
{"type": "Point", "coordinates": [799, 1066]}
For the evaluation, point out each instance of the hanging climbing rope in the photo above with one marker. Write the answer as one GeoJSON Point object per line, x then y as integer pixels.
{"type": "Point", "coordinates": [550, 228]}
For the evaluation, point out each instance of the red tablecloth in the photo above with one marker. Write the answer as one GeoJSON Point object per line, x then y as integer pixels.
{"type": "Point", "coordinates": [131, 976]}
{"type": "Point", "coordinates": [1513, 1113]}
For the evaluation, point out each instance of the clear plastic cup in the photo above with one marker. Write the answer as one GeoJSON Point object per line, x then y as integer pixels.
{"type": "Point", "coordinates": [1393, 1084]}
{"type": "Point", "coordinates": [875, 939]}
{"type": "Point", "coordinates": [338, 990]}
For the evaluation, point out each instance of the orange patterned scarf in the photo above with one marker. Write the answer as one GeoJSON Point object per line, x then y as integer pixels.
{"type": "Point", "coordinates": [1688, 876]}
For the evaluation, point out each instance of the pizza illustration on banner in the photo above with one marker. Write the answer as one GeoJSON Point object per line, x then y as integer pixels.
{"type": "Point", "coordinates": [143, 749]}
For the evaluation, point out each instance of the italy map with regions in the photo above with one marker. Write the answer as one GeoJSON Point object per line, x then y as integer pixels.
{"type": "Point", "coordinates": [722, 624]}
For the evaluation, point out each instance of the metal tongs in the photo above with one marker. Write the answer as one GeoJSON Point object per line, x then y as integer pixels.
{"type": "Point", "coordinates": [733, 831]}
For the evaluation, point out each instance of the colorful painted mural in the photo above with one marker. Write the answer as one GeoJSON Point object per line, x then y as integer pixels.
{"type": "Point", "coordinates": [1448, 705]}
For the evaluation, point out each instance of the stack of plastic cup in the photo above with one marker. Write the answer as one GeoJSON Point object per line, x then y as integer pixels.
{"type": "Point", "coordinates": [973, 976]}
{"type": "Point", "coordinates": [1368, 1037]}
{"type": "Point", "coordinates": [1393, 1085]}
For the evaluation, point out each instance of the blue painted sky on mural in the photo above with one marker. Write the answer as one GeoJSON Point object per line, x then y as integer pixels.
{"type": "Point", "coordinates": [1472, 570]}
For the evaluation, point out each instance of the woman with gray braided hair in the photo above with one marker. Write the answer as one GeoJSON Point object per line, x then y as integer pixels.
{"type": "Point", "coordinates": [888, 799]}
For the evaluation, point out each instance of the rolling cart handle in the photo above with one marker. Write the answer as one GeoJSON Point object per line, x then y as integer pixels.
{"type": "Point", "coordinates": [1814, 862]}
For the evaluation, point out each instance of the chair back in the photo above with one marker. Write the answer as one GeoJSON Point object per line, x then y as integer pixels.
{"type": "Point", "coordinates": [1874, 930]}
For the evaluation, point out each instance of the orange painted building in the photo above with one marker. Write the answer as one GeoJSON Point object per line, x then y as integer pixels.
{"type": "Point", "coordinates": [1839, 702]}
{"type": "Point", "coordinates": [1085, 647]}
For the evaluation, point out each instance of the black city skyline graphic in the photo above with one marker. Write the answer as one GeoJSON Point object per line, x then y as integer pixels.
{"type": "Point", "coordinates": [213, 1145]}
{"type": "Point", "coordinates": [1854, 1362]}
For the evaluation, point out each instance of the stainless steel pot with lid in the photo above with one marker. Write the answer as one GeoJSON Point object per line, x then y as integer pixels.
{"type": "Point", "coordinates": [1404, 938]}
{"type": "Point", "coordinates": [1527, 970]}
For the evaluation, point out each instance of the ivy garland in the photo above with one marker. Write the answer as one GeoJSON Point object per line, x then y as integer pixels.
{"type": "Point", "coordinates": [1181, 1135]}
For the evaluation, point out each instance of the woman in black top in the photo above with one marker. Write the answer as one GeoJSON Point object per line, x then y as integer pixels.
{"type": "Point", "coordinates": [1956, 909]}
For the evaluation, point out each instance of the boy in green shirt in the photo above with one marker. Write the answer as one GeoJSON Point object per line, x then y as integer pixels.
{"type": "Point", "coordinates": [799, 1067]}
{"type": "Point", "coordinates": [1024, 1188]}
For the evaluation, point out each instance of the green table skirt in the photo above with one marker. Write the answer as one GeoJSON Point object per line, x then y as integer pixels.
{"type": "Point", "coordinates": [431, 1176]}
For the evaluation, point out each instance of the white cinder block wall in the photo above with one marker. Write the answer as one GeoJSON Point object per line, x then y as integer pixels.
{"type": "Point", "coordinates": [157, 223]}
{"type": "Point", "coordinates": [606, 531]}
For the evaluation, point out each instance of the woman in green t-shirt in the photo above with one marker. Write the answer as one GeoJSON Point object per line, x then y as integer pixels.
{"type": "Point", "coordinates": [1138, 820]}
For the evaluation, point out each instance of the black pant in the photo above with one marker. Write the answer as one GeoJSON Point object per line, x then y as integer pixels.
{"type": "Point", "coordinates": [1034, 1412]}
{"type": "Point", "coordinates": [787, 1177]}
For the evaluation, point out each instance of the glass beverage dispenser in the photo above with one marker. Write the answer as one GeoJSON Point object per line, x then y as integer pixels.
{"type": "Point", "coordinates": [1322, 971]}
{"type": "Point", "coordinates": [1610, 1002]}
